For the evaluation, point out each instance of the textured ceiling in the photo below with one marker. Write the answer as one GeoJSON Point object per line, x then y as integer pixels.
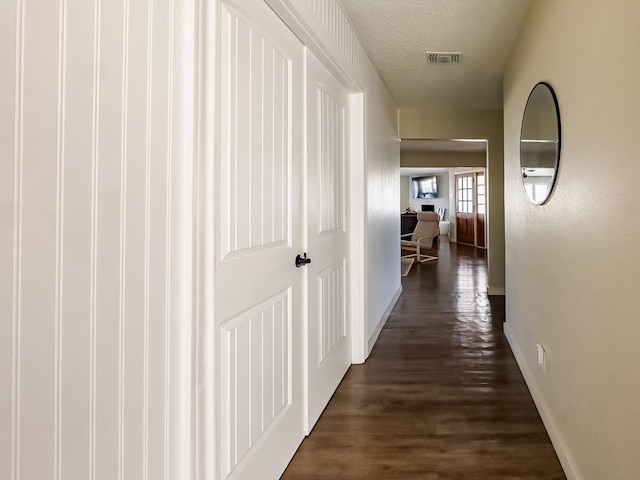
{"type": "Point", "coordinates": [397, 33]}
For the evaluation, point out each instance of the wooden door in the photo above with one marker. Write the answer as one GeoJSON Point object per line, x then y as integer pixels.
{"type": "Point", "coordinates": [258, 302]}
{"type": "Point", "coordinates": [465, 218]}
{"type": "Point", "coordinates": [481, 208]}
{"type": "Point", "coordinates": [329, 346]}
{"type": "Point", "coordinates": [471, 208]}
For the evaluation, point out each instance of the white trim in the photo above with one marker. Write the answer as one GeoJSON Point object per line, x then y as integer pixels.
{"type": "Point", "coordinates": [383, 321]}
{"type": "Point", "coordinates": [357, 226]}
{"type": "Point", "coordinates": [204, 427]}
{"type": "Point", "coordinates": [304, 237]}
{"type": "Point", "coordinates": [559, 443]}
{"type": "Point", "coordinates": [182, 446]}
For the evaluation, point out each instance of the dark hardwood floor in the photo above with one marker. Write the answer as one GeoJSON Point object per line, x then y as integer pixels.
{"type": "Point", "coordinates": [441, 396]}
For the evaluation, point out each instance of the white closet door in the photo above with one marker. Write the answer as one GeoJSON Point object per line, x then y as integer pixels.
{"type": "Point", "coordinates": [258, 289]}
{"type": "Point", "coordinates": [329, 348]}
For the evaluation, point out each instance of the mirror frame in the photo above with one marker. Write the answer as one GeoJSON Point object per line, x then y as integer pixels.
{"type": "Point", "coordinates": [556, 167]}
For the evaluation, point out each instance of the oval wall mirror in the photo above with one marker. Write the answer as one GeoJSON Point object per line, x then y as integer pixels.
{"type": "Point", "coordinates": [540, 143]}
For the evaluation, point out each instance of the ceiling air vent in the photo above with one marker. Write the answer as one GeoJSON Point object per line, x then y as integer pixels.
{"type": "Point", "coordinates": [444, 58]}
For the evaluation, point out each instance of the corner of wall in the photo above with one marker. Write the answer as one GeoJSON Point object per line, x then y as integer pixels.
{"type": "Point", "coordinates": [373, 338]}
{"type": "Point", "coordinates": [559, 443]}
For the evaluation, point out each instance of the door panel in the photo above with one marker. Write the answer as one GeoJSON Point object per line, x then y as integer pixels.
{"type": "Point", "coordinates": [258, 304]}
{"type": "Point", "coordinates": [255, 348]}
{"type": "Point", "coordinates": [329, 349]}
{"type": "Point", "coordinates": [255, 157]}
{"type": "Point", "coordinates": [465, 230]}
{"type": "Point", "coordinates": [331, 311]}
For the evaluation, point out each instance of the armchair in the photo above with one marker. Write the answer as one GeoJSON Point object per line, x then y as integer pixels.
{"type": "Point", "coordinates": [423, 236]}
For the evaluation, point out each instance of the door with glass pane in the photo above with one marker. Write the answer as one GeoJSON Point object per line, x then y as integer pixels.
{"type": "Point", "coordinates": [471, 208]}
{"type": "Point", "coordinates": [465, 218]}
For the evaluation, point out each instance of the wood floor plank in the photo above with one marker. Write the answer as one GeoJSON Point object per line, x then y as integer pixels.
{"type": "Point", "coordinates": [441, 396]}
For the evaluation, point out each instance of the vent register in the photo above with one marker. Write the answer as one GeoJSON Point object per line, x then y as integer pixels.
{"type": "Point", "coordinates": [444, 58]}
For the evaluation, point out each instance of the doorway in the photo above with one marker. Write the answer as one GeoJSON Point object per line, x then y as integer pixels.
{"type": "Point", "coordinates": [471, 208]}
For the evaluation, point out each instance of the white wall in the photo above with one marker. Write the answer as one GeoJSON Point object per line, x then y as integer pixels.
{"type": "Point", "coordinates": [90, 162]}
{"type": "Point", "coordinates": [382, 164]}
{"type": "Point", "coordinates": [572, 265]}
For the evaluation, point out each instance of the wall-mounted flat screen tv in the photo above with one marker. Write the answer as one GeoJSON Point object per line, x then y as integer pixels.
{"type": "Point", "coordinates": [425, 187]}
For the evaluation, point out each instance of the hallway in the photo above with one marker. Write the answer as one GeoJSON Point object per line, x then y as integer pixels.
{"type": "Point", "coordinates": [441, 396]}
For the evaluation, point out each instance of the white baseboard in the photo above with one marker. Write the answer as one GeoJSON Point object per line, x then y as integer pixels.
{"type": "Point", "coordinates": [559, 443]}
{"type": "Point", "coordinates": [376, 333]}
{"type": "Point", "coordinates": [495, 290]}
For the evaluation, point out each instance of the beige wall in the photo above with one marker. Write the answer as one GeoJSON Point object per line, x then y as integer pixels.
{"type": "Point", "coordinates": [573, 264]}
{"type": "Point", "coordinates": [435, 123]}
{"type": "Point", "coordinates": [404, 193]}
{"type": "Point", "coordinates": [443, 159]}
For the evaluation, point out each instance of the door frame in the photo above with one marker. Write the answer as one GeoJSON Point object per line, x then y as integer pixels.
{"type": "Point", "coordinates": [357, 225]}
{"type": "Point", "coordinates": [200, 84]}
